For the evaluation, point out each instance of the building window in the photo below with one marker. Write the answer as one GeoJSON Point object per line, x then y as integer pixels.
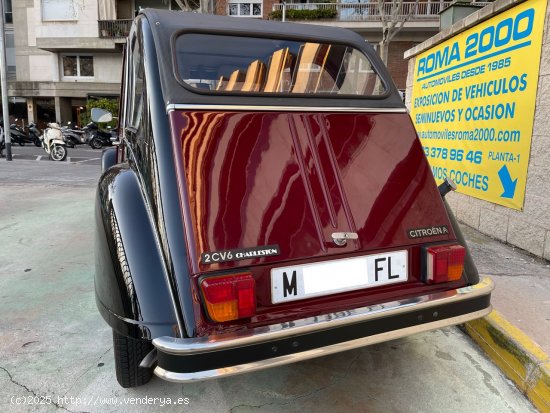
{"type": "Point", "coordinates": [78, 66]}
{"type": "Point", "coordinates": [244, 9]}
{"type": "Point", "coordinates": [10, 53]}
{"type": "Point", "coordinates": [59, 10]}
{"type": "Point", "coordinates": [8, 16]}
{"type": "Point", "coordinates": [219, 64]}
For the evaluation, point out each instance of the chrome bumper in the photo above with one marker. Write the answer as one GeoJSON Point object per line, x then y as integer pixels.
{"type": "Point", "coordinates": [427, 320]}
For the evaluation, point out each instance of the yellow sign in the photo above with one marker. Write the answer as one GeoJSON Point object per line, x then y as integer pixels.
{"type": "Point", "coordinates": [473, 104]}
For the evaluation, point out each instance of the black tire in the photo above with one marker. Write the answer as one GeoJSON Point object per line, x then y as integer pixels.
{"type": "Point", "coordinates": [37, 142]}
{"type": "Point", "coordinates": [71, 141]}
{"type": "Point", "coordinates": [95, 143]}
{"type": "Point", "coordinates": [129, 352]}
{"type": "Point", "coordinates": [21, 143]}
{"type": "Point", "coordinates": [58, 152]}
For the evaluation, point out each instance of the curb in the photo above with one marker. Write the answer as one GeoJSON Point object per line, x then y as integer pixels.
{"type": "Point", "coordinates": [517, 356]}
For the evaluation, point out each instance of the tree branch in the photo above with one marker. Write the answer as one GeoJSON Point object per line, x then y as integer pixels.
{"type": "Point", "coordinates": [182, 4]}
{"type": "Point", "coordinates": [404, 20]}
{"type": "Point", "coordinates": [392, 23]}
{"type": "Point", "coordinates": [382, 12]}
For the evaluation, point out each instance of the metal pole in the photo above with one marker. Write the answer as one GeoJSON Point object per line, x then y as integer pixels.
{"type": "Point", "coordinates": [4, 85]}
{"type": "Point", "coordinates": [284, 11]}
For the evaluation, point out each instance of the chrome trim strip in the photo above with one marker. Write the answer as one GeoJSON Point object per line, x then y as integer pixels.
{"type": "Point", "coordinates": [322, 351]}
{"type": "Point", "coordinates": [186, 346]}
{"type": "Point", "coordinates": [261, 108]}
{"type": "Point", "coordinates": [149, 359]}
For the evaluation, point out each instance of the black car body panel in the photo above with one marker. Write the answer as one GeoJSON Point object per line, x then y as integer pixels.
{"type": "Point", "coordinates": [127, 253]}
{"type": "Point", "coordinates": [156, 188]}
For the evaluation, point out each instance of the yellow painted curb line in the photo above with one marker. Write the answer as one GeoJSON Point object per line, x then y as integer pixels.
{"type": "Point", "coordinates": [519, 358]}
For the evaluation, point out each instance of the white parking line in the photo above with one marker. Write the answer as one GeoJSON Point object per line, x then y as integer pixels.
{"type": "Point", "coordinates": [68, 159]}
{"type": "Point", "coordinates": [87, 160]}
{"type": "Point", "coordinates": [39, 157]}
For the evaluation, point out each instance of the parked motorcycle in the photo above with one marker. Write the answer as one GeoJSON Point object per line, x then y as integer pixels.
{"type": "Point", "coordinates": [73, 135]}
{"type": "Point", "coordinates": [98, 138]}
{"type": "Point", "coordinates": [53, 143]}
{"type": "Point", "coordinates": [18, 135]}
{"type": "Point", "coordinates": [33, 134]}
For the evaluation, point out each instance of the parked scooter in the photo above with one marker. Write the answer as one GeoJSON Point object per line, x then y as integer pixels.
{"type": "Point", "coordinates": [73, 135]}
{"type": "Point", "coordinates": [18, 135]}
{"type": "Point", "coordinates": [97, 137]}
{"type": "Point", "coordinates": [53, 143]}
{"type": "Point", "coordinates": [33, 134]}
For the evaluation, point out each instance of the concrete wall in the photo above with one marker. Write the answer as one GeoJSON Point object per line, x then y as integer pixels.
{"type": "Point", "coordinates": [42, 68]}
{"type": "Point", "coordinates": [37, 65]}
{"type": "Point", "coordinates": [108, 67]}
{"type": "Point", "coordinates": [46, 68]}
{"type": "Point", "coordinates": [23, 48]}
{"type": "Point", "coordinates": [528, 229]}
{"type": "Point", "coordinates": [84, 26]}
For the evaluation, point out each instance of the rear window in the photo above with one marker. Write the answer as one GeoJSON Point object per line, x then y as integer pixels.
{"type": "Point", "coordinates": [245, 65]}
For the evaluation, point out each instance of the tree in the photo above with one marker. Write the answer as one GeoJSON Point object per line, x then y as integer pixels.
{"type": "Point", "coordinates": [105, 103]}
{"type": "Point", "coordinates": [393, 19]}
{"type": "Point", "coordinates": [185, 5]}
{"type": "Point", "coordinates": [201, 6]}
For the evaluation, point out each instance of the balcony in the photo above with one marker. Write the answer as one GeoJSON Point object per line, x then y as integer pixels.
{"type": "Point", "coordinates": [114, 29]}
{"type": "Point", "coordinates": [367, 12]}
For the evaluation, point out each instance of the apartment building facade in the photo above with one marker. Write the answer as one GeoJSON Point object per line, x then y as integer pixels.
{"type": "Point", "coordinates": [421, 21]}
{"type": "Point", "coordinates": [60, 59]}
{"type": "Point", "coordinates": [68, 51]}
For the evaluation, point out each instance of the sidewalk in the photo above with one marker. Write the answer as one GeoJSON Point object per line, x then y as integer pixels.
{"type": "Point", "coordinates": [516, 336]}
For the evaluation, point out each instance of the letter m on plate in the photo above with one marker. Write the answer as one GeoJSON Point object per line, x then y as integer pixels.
{"type": "Point", "coordinates": [290, 286]}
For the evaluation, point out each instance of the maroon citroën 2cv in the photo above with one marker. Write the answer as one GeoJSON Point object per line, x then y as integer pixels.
{"type": "Point", "coordinates": [269, 202]}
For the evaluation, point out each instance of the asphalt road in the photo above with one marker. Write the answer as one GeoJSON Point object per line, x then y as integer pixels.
{"type": "Point", "coordinates": [56, 351]}
{"type": "Point", "coordinates": [79, 154]}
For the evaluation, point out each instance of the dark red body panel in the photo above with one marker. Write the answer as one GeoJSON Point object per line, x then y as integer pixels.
{"type": "Point", "coordinates": [253, 179]}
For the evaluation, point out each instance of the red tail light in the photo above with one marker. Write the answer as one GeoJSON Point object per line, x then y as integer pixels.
{"type": "Point", "coordinates": [445, 263]}
{"type": "Point", "coordinates": [229, 297]}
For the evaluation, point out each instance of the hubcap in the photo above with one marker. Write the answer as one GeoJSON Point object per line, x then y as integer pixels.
{"type": "Point", "coordinates": [58, 152]}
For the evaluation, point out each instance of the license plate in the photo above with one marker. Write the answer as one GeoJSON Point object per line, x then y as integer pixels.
{"type": "Point", "coordinates": [337, 276]}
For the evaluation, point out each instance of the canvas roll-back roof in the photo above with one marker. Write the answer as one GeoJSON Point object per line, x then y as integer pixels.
{"type": "Point", "coordinates": [166, 26]}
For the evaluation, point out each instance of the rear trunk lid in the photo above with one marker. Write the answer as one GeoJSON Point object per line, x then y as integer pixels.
{"type": "Point", "coordinates": [267, 188]}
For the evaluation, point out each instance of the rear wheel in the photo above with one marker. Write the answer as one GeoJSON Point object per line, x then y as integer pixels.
{"type": "Point", "coordinates": [69, 141]}
{"type": "Point", "coordinates": [96, 143]}
{"type": "Point", "coordinates": [129, 352]}
{"type": "Point", "coordinates": [58, 153]}
{"type": "Point", "coordinates": [37, 142]}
